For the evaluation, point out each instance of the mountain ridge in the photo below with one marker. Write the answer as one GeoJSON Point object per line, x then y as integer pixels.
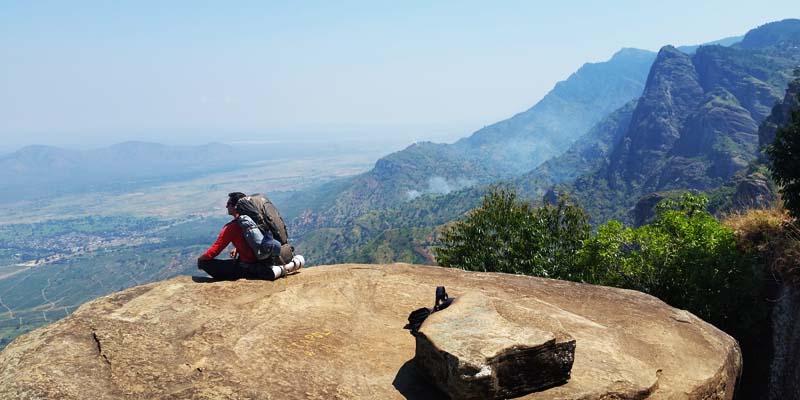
{"type": "Point", "coordinates": [721, 113]}
{"type": "Point", "coordinates": [528, 138]}
{"type": "Point", "coordinates": [695, 126]}
{"type": "Point", "coordinates": [24, 172]}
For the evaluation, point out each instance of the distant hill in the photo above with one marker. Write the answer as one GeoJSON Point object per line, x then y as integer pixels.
{"type": "Point", "coordinates": [524, 141]}
{"type": "Point", "coordinates": [36, 171]}
{"type": "Point", "coordinates": [728, 41]}
{"type": "Point", "coordinates": [778, 35]}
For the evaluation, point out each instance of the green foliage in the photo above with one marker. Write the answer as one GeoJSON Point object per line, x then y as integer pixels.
{"type": "Point", "coordinates": [685, 257]}
{"type": "Point", "coordinates": [395, 244]}
{"type": "Point", "coordinates": [785, 166]}
{"type": "Point", "coordinates": [507, 235]}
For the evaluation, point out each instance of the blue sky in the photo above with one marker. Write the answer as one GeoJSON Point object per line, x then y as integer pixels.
{"type": "Point", "coordinates": [87, 74]}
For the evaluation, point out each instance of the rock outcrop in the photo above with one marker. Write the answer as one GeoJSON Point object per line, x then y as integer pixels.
{"type": "Point", "coordinates": [336, 332]}
{"type": "Point", "coordinates": [753, 191]}
{"type": "Point", "coordinates": [471, 351]}
{"type": "Point", "coordinates": [645, 209]}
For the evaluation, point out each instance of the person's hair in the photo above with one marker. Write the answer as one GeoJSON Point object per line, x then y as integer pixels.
{"type": "Point", "coordinates": [234, 197]}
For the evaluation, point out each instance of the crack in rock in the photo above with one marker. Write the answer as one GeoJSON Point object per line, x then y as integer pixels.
{"type": "Point", "coordinates": [100, 348]}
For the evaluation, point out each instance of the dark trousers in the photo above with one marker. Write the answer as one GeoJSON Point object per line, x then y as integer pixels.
{"type": "Point", "coordinates": [231, 270]}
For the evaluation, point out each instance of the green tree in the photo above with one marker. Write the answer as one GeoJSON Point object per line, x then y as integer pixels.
{"type": "Point", "coordinates": [685, 257]}
{"type": "Point", "coordinates": [507, 235]}
{"type": "Point", "coordinates": [785, 155]}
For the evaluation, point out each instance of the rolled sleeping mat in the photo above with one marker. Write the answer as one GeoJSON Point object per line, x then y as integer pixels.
{"type": "Point", "coordinates": [297, 262]}
{"type": "Point", "coordinates": [282, 270]}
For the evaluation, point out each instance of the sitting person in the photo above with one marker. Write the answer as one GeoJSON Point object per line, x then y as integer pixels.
{"type": "Point", "coordinates": [244, 263]}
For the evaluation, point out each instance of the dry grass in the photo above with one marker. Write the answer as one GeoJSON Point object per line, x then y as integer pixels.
{"type": "Point", "coordinates": [773, 237]}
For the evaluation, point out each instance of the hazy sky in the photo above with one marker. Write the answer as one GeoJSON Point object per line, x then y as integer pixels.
{"type": "Point", "coordinates": [91, 73]}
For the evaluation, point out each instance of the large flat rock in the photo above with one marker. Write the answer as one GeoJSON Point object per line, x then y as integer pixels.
{"type": "Point", "coordinates": [336, 332]}
{"type": "Point", "coordinates": [470, 351]}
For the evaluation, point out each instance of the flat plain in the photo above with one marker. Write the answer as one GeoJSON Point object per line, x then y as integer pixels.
{"type": "Point", "coordinates": [57, 253]}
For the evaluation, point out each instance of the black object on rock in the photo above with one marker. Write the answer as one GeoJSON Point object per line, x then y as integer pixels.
{"type": "Point", "coordinates": [419, 315]}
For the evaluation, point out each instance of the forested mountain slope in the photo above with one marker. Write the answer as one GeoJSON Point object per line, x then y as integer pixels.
{"type": "Point", "coordinates": [499, 151]}
{"type": "Point", "coordinates": [694, 127]}
{"type": "Point", "coordinates": [407, 231]}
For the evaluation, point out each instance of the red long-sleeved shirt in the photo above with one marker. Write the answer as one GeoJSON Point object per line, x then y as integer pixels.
{"type": "Point", "coordinates": [231, 232]}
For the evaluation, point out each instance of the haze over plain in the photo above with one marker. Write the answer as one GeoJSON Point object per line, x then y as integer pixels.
{"type": "Point", "coordinates": [90, 74]}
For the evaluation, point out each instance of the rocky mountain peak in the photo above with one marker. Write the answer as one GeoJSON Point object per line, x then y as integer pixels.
{"type": "Point", "coordinates": [707, 105]}
{"type": "Point", "coordinates": [672, 90]}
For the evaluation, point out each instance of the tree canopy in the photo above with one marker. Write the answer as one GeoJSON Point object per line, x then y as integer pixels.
{"type": "Point", "coordinates": [785, 156]}
{"type": "Point", "coordinates": [505, 234]}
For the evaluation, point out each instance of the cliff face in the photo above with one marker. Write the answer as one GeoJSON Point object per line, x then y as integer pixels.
{"type": "Point", "coordinates": [696, 124]}
{"type": "Point", "coordinates": [785, 369]}
{"type": "Point", "coordinates": [672, 90]}
{"type": "Point", "coordinates": [780, 113]}
{"type": "Point", "coordinates": [784, 382]}
{"type": "Point", "coordinates": [336, 332]}
{"type": "Point", "coordinates": [751, 187]}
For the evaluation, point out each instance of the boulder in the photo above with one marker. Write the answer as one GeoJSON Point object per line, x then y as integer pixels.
{"type": "Point", "coordinates": [336, 332]}
{"type": "Point", "coordinates": [470, 351]}
{"type": "Point", "coordinates": [645, 209]}
{"type": "Point", "coordinates": [753, 192]}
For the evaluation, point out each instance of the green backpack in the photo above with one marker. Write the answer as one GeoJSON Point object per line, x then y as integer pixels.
{"type": "Point", "coordinates": [266, 216]}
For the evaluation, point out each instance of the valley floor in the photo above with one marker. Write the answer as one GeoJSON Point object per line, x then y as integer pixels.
{"type": "Point", "coordinates": [57, 254]}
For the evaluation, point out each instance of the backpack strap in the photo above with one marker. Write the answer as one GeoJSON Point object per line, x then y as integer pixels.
{"type": "Point", "coordinates": [418, 316]}
{"type": "Point", "coordinates": [442, 301]}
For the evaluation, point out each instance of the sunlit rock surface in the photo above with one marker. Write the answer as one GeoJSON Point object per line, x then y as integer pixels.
{"type": "Point", "coordinates": [471, 351]}
{"type": "Point", "coordinates": [336, 332]}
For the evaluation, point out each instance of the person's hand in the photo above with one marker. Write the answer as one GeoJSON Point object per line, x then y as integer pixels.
{"type": "Point", "coordinates": [234, 253]}
{"type": "Point", "coordinates": [201, 258]}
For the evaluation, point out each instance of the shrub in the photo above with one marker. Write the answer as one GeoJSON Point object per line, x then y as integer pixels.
{"type": "Point", "coordinates": [773, 238]}
{"type": "Point", "coordinates": [685, 257]}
